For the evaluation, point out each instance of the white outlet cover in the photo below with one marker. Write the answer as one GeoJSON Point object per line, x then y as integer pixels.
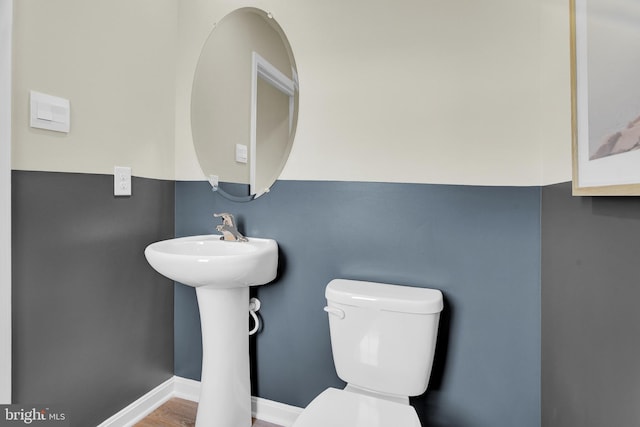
{"type": "Point", "coordinates": [121, 181]}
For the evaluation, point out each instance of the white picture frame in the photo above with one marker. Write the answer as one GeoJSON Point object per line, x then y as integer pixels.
{"type": "Point", "coordinates": [605, 101]}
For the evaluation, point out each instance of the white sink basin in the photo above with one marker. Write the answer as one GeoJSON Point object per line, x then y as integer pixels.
{"type": "Point", "coordinates": [221, 273]}
{"type": "Point", "coordinates": [208, 261]}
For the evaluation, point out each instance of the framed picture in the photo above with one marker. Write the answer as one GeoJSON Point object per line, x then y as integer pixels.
{"type": "Point", "coordinates": [605, 78]}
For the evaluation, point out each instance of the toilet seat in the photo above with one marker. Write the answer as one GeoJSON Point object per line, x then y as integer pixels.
{"type": "Point", "coordinates": [341, 408]}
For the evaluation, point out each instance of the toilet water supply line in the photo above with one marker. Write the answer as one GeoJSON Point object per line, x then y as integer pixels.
{"type": "Point", "coordinates": [254, 305]}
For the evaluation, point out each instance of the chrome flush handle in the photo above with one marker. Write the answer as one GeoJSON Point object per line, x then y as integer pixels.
{"type": "Point", "coordinates": [335, 312]}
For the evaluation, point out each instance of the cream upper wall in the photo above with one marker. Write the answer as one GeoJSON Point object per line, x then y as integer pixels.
{"type": "Point", "coordinates": [115, 61]}
{"type": "Point", "coordinates": [456, 92]}
{"type": "Point", "coordinates": [555, 92]}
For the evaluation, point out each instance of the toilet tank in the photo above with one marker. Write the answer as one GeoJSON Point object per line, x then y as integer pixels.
{"type": "Point", "coordinates": [383, 336]}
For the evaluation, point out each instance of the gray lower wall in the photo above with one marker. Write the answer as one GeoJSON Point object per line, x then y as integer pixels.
{"type": "Point", "coordinates": [92, 322]}
{"type": "Point", "coordinates": [479, 245]}
{"type": "Point", "coordinates": [590, 310]}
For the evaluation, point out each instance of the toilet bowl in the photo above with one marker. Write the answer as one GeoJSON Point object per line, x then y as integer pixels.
{"type": "Point", "coordinates": [342, 408]}
{"type": "Point", "coordinates": [383, 342]}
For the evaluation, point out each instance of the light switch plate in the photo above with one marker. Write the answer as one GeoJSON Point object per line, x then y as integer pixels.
{"type": "Point", "coordinates": [121, 181]}
{"type": "Point", "coordinates": [241, 153]}
{"type": "Point", "coordinates": [49, 112]}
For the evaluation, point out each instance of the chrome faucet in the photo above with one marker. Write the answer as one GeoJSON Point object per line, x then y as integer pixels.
{"type": "Point", "coordinates": [228, 229]}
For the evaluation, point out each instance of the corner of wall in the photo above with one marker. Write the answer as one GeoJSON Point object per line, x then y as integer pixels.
{"type": "Point", "coordinates": [6, 21]}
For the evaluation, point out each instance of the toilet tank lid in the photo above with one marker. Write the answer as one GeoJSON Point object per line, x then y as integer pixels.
{"type": "Point", "coordinates": [382, 296]}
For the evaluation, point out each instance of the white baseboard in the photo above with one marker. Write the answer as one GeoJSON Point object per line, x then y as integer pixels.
{"type": "Point", "coordinates": [274, 412]}
{"type": "Point", "coordinates": [263, 409]}
{"type": "Point", "coordinates": [185, 388]}
{"type": "Point", "coordinates": [142, 407]}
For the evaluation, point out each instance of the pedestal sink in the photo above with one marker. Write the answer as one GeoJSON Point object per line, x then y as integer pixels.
{"type": "Point", "coordinates": [221, 272]}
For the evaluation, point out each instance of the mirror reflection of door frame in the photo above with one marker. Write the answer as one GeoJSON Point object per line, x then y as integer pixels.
{"type": "Point", "coordinates": [261, 68]}
{"type": "Point", "coordinates": [6, 21]}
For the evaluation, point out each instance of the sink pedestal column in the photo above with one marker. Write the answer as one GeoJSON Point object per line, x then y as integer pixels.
{"type": "Point", "coordinates": [225, 396]}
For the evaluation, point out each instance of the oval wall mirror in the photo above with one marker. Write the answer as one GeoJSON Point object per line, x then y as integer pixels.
{"type": "Point", "coordinates": [244, 104]}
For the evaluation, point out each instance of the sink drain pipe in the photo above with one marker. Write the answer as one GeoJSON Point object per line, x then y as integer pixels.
{"type": "Point", "coordinates": [254, 306]}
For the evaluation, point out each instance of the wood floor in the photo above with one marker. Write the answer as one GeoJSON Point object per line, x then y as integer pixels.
{"type": "Point", "coordinates": [181, 413]}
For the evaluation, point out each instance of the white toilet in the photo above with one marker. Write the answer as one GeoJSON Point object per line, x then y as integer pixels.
{"type": "Point", "coordinates": [383, 339]}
